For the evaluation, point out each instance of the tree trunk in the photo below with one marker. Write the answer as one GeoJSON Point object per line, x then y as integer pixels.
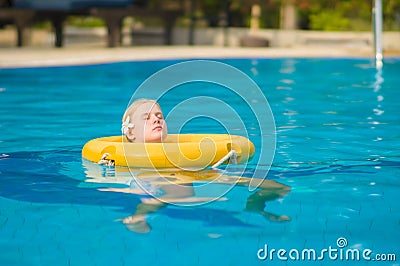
{"type": "Point", "coordinates": [288, 15]}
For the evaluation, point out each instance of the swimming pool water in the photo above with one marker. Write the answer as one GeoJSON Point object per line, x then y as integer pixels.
{"type": "Point", "coordinates": [338, 148]}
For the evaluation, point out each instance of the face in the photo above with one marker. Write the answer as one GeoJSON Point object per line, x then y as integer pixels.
{"type": "Point", "coordinates": [149, 123]}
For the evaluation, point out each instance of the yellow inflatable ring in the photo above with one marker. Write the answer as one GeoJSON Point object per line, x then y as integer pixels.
{"type": "Point", "coordinates": [177, 151]}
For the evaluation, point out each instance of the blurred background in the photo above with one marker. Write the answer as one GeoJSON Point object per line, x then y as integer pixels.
{"type": "Point", "coordinates": [279, 23]}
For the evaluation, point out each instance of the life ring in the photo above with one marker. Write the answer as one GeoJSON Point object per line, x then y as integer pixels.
{"type": "Point", "coordinates": [177, 151]}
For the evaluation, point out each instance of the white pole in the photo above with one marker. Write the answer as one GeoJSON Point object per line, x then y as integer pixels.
{"type": "Point", "coordinates": [377, 19]}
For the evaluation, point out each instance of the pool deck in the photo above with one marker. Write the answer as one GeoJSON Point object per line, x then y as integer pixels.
{"type": "Point", "coordinates": [80, 55]}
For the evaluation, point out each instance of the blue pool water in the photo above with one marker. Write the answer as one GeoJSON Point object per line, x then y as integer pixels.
{"type": "Point", "coordinates": [338, 148]}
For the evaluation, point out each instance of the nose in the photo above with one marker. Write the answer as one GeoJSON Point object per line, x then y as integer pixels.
{"type": "Point", "coordinates": [155, 119]}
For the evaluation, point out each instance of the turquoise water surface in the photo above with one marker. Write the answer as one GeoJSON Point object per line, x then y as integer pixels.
{"type": "Point", "coordinates": [337, 148]}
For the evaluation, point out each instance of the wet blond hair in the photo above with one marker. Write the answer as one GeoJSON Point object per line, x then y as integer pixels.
{"type": "Point", "coordinates": [134, 106]}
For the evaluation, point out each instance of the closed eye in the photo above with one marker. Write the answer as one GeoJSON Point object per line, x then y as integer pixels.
{"type": "Point", "coordinates": [147, 116]}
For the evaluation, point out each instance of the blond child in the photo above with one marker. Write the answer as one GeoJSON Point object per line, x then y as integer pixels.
{"type": "Point", "coordinates": [143, 121]}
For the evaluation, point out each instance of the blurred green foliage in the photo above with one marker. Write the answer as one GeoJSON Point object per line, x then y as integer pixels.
{"type": "Point", "coordinates": [329, 21]}
{"type": "Point", "coordinates": [328, 15]}
{"type": "Point", "coordinates": [346, 14]}
{"type": "Point", "coordinates": [85, 22]}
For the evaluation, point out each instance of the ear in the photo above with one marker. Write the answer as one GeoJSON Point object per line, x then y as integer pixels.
{"type": "Point", "coordinates": [131, 137]}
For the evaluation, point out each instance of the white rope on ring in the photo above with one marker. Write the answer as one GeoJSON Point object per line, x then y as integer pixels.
{"type": "Point", "coordinates": [230, 155]}
{"type": "Point", "coordinates": [104, 161]}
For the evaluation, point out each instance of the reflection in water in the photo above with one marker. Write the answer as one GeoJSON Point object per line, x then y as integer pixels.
{"type": "Point", "coordinates": [173, 186]}
{"type": "Point", "coordinates": [288, 66]}
{"type": "Point", "coordinates": [289, 114]}
{"type": "Point", "coordinates": [378, 110]}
